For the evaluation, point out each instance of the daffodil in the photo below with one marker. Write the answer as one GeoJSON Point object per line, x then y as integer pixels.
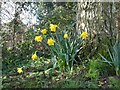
{"type": "Point", "coordinates": [38, 38]}
{"type": "Point", "coordinates": [19, 70]}
{"type": "Point", "coordinates": [66, 36]}
{"type": "Point", "coordinates": [43, 31]}
{"type": "Point", "coordinates": [53, 27]}
{"type": "Point", "coordinates": [84, 35]}
{"type": "Point", "coordinates": [50, 42]}
{"type": "Point", "coordinates": [34, 57]}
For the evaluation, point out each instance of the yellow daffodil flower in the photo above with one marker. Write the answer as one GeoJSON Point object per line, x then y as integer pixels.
{"type": "Point", "coordinates": [53, 27]}
{"type": "Point", "coordinates": [65, 36]}
{"type": "Point", "coordinates": [43, 31]}
{"type": "Point", "coordinates": [34, 57]}
{"type": "Point", "coordinates": [50, 42]}
{"type": "Point", "coordinates": [38, 38]}
{"type": "Point", "coordinates": [84, 35]}
{"type": "Point", "coordinates": [19, 70]}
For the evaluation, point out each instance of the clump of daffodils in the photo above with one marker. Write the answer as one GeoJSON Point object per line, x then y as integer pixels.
{"type": "Point", "coordinates": [19, 70]}
{"type": "Point", "coordinates": [38, 38]}
{"type": "Point", "coordinates": [84, 35]}
{"type": "Point", "coordinates": [58, 43]}
{"type": "Point", "coordinates": [34, 57]}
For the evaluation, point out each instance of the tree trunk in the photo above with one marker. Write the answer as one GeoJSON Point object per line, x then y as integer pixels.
{"type": "Point", "coordinates": [118, 36]}
{"type": "Point", "coordinates": [0, 49]}
{"type": "Point", "coordinates": [99, 20]}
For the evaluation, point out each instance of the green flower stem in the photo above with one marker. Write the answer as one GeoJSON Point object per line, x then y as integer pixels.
{"type": "Point", "coordinates": [58, 41]}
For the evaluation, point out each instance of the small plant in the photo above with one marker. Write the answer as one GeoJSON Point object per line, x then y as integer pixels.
{"type": "Point", "coordinates": [94, 68]}
{"type": "Point", "coordinates": [114, 55]}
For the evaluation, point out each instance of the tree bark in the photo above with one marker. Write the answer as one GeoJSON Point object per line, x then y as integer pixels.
{"type": "Point", "coordinates": [118, 34]}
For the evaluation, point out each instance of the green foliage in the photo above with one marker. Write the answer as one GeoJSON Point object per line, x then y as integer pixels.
{"type": "Point", "coordinates": [68, 83]}
{"type": "Point", "coordinates": [96, 67]}
{"type": "Point", "coordinates": [92, 84]}
{"type": "Point", "coordinates": [93, 69]}
{"type": "Point", "coordinates": [93, 72]}
{"type": "Point", "coordinates": [114, 55]}
{"type": "Point", "coordinates": [114, 83]}
{"type": "Point", "coordinates": [62, 13]}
